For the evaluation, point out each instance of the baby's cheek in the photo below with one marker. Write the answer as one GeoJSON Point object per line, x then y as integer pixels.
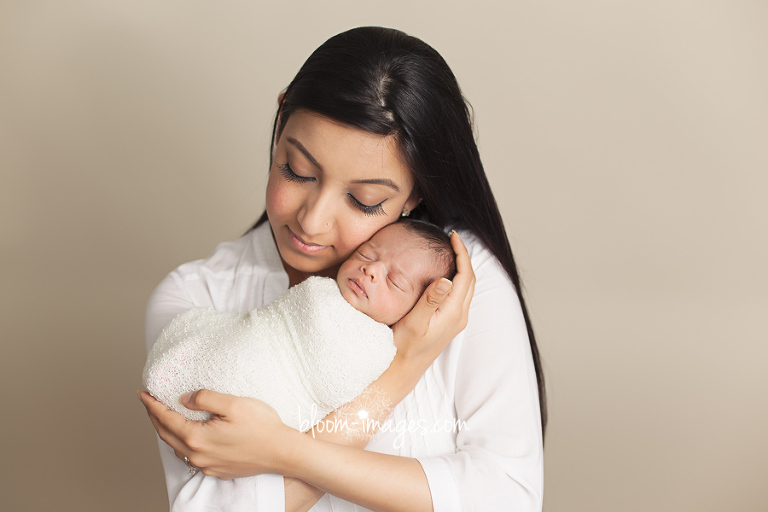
{"type": "Point", "coordinates": [408, 303]}
{"type": "Point", "coordinates": [393, 309]}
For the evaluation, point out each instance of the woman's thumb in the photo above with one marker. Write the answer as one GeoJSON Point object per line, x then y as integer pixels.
{"type": "Point", "coordinates": [205, 400]}
{"type": "Point", "coordinates": [438, 293]}
{"type": "Point", "coordinates": [420, 316]}
{"type": "Point", "coordinates": [433, 296]}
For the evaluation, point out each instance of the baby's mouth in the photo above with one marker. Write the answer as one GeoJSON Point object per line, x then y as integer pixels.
{"type": "Point", "coordinates": [357, 287]}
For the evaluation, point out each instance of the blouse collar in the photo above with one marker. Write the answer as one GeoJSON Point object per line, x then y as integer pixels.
{"type": "Point", "coordinates": [267, 255]}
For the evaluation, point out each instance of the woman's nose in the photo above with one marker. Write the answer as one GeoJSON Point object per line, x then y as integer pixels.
{"type": "Point", "coordinates": [316, 216]}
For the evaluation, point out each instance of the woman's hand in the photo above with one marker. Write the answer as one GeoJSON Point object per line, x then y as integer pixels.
{"type": "Point", "coordinates": [245, 437]}
{"type": "Point", "coordinates": [441, 313]}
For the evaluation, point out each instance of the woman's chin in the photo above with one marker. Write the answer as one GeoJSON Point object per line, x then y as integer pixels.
{"type": "Point", "coordinates": [299, 266]}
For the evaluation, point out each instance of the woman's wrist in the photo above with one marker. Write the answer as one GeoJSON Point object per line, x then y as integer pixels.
{"type": "Point", "coordinates": [346, 426]}
{"type": "Point", "coordinates": [403, 374]}
{"type": "Point", "coordinates": [288, 450]}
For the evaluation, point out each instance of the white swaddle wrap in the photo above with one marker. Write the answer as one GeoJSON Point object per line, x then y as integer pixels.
{"type": "Point", "coordinates": [306, 348]}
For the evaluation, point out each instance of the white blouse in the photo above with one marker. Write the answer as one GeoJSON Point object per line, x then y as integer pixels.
{"type": "Point", "coordinates": [472, 421]}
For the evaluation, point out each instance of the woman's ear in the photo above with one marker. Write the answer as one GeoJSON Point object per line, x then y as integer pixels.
{"type": "Point", "coordinates": [412, 202]}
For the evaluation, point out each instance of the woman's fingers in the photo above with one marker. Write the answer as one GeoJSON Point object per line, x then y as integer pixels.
{"type": "Point", "coordinates": [465, 276]}
{"type": "Point", "coordinates": [167, 422]}
{"type": "Point", "coordinates": [456, 303]}
{"type": "Point", "coordinates": [216, 447]}
{"type": "Point", "coordinates": [464, 281]}
{"type": "Point", "coordinates": [442, 308]}
{"type": "Point", "coordinates": [158, 413]}
{"type": "Point", "coordinates": [182, 435]}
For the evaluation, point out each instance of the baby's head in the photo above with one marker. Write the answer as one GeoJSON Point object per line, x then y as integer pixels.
{"type": "Point", "coordinates": [385, 277]}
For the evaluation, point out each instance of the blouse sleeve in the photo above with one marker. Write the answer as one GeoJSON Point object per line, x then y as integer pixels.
{"type": "Point", "coordinates": [498, 464]}
{"type": "Point", "coordinates": [198, 493]}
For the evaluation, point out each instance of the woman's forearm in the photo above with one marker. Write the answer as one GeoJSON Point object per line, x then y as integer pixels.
{"type": "Point", "coordinates": [362, 477]}
{"type": "Point", "coordinates": [394, 384]}
{"type": "Point", "coordinates": [377, 401]}
{"type": "Point", "coordinates": [299, 495]}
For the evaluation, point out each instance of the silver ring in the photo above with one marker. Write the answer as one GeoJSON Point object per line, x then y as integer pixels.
{"type": "Point", "coordinates": [190, 468]}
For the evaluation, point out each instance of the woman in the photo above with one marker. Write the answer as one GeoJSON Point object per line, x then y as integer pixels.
{"type": "Point", "coordinates": [372, 127]}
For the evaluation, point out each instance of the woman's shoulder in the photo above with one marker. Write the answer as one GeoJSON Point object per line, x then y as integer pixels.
{"type": "Point", "coordinates": [485, 265]}
{"type": "Point", "coordinates": [239, 275]}
{"type": "Point", "coordinates": [495, 301]}
{"type": "Point", "coordinates": [253, 252]}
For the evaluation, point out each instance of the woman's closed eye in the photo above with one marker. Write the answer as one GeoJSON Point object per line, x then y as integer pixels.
{"type": "Point", "coordinates": [376, 209]}
{"type": "Point", "coordinates": [289, 175]}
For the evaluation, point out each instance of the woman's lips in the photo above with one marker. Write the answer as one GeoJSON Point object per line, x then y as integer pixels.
{"type": "Point", "coordinates": [303, 247]}
{"type": "Point", "coordinates": [357, 288]}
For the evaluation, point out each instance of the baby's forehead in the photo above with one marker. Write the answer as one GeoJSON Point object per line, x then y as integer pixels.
{"type": "Point", "coordinates": [396, 236]}
{"type": "Point", "coordinates": [410, 251]}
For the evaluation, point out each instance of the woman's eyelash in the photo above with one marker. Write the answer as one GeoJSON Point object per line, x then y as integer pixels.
{"type": "Point", "coordinates": [374, 210]}
{"type": "Point", "coordinates": [289, 175]}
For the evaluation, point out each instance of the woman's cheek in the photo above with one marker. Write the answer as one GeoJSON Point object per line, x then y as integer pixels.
{"type": "Point", "coordinates": [359, 231]}
{"type": "Point", "coordinates": [279, 197]}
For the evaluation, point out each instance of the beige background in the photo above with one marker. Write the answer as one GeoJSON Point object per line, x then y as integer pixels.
{"type": "Point", "coordinates": [628, 146]}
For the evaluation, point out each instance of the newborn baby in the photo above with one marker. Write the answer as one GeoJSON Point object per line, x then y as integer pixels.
{"type": "Point", "coordinates": [314, 348]}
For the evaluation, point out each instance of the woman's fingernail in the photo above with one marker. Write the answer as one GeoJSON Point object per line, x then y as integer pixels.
{"type": "Point", "coordinates": [184, 399]}
{"type": "Point", "coordinates": [443, 286]}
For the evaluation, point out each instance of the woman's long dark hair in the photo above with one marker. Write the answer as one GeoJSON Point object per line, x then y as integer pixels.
{"type": "Point", "coordinates": [389, 83]}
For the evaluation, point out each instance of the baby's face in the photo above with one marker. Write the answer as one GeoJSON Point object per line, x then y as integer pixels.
{"type": "Point", "coordinates": [383, 277]}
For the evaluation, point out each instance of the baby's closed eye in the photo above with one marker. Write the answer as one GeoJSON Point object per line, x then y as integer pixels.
{"type": "Point", "coordinates": [395, 282]}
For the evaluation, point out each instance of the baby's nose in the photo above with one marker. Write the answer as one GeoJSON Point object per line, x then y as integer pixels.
{"type": "Point", "coordinates": [374, 270]}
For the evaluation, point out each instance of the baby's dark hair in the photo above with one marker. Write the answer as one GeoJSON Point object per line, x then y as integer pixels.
{"type": "Point", "coordinates": [438, 242]}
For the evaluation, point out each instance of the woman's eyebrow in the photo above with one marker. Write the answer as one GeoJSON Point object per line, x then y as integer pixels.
{"type": "Point", "coordinates": [373, 181]}
{"type": "Point", "coordinates": [379, 181]}
{"type": "Point", "coordinates": [305, 151]}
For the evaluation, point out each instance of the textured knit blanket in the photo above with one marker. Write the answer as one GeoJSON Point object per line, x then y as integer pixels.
{"type": "Point", "coordinates": [307, 349]}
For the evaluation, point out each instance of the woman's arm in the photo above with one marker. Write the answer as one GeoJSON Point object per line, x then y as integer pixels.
{"type": "Point", "coordinates": [299, 495]}
{"type": "Point", "coordinates": [363, 477]}
{"type": "Point", "coordinates": [178, 292]}
{"type": "Point", "coordinates": [221, 447]}
{"type": "Point", "coordinates": [498, 460]}
{"type": "Point", "coordinates": [497, 464]}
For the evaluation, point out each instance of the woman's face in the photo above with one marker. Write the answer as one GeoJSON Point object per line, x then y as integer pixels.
{"type": "Point", "coordinates": [331, 187]}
